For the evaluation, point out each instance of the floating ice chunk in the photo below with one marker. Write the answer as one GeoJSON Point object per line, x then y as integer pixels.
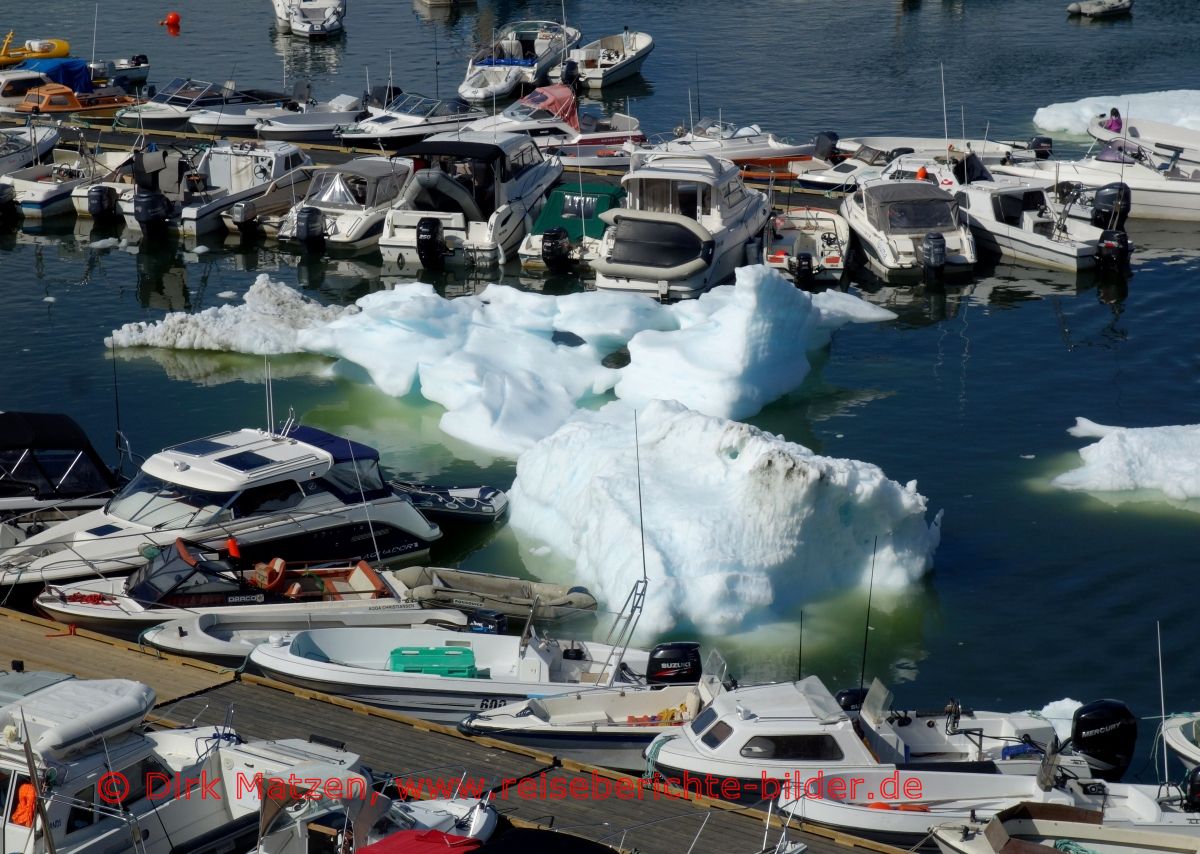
{"type": "Point", "coordinates": [227, 295]}
{"type": "Point", "coordinates": [267, 323]}
{"type": "Point", "coordinates": [1166, 459]}
{"type": "Point", "coordinates": [1061, 713]}
{"type": "Point", "coordinates": [736, 519]}
{"type": "Point", "coordinates": [1175, 107]}
{"type": "Point", "coordinates": [49, 299]}
{"type": "Point", "coordinates": [106, 243]}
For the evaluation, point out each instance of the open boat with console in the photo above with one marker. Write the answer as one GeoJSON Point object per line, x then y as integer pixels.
{"type": "Point", "coordinates": [745, 145]}
{"type": "Point", "coordinates": [313, 122]}
{"type": "Point", "coordinates": [20, 147]}
{"type": "Point", "coordinates": [449, 504]}
{"type": "Point", "coordinates": [44, 189]}
{"type": "Point", "coordinates": [520, 54]}
{"type": "Point", "coordinates": [1100, 8]}
{"type": "Point", "coordinates": [607, 60]}
{"type": "Point", "coordinates": [808, 245]}
{"type": "Point", "coordinates": [1163, 140]}
{"type": "Point", "coordinates": [346, 204]}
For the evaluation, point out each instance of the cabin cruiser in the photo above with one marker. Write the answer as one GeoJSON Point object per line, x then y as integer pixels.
{"type": "Point", "coordinates": [19, 147]}
{"type": "Point", "coordinates": [606, 60]}
{"type": "Point", "coordinates": [688, 224]}
{"type": "Point", "coordinates": [1163, 140]}
{"type": "Point", "coordinates": [49, 472]}
{"type": "Point", "coordinates": [471, 204]}
{"type": "Point", "coordinates": [407, 118]}
{"type": "Point", "coordinates": [54, 99]}
{"type": "Point", "coordinates": [313, 122]}
{"type": "Point", "coordinates": [263, 212]}
{"type": "Point", "coordinates": [745, 145]}
{"type": "Point", "coordinates": [551, 116]}
{"type": "Point", "coordinates": [172, 106]}
{"type": "Point", "coordinates": [908, 229]}
{"type": "Point", "coordinates": [520, 54]}
{"type": "Point", "coordinates": [301, 494]}
{"type": "Point", "coordinates": [568, 231]}
{"type": "Point", "coordinates": [346, 204]}
{"type": "Point", "coordinates": [16, 83]}
{"type": "Point", "coordinates": [767, 734]}
{"type": "Point", "coordinates": [808, 245]}
{"type": "Point", "coordinates": [834, 171]}
{"type": "Point", "coordinates": [44, 189]}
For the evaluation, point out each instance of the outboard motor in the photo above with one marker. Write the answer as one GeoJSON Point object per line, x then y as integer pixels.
{"type": "Point", "coordinates": [801, 268]}
{"type": "Point", "coordinates": [1114, 250]}
{"type": "Point", "coordinates": [674, 664]}
{"type": "Point", "coordinates": [1041, 146]}
{"type": "Point", "coordinates": [933, 256]}
{"type": "Point", "coordinates": [1191, 790]}
{"type": "Point", "coordinates": [570, 73]}
{"type": "Point", "coordinates": [488, 622]}
{"type": "Point", "coordinates": [1110, 207]}
{"type": "Point", "coordinates": [243, 213]}
{"type": "Point", "coordinates": [556, 249]}
{"type": "Point", "coordinates": [101, 202]}
{"type": "Point", "coordinates": [7, 195]}
{"type": "Point", "coordinates": [824, 145]}
{"type": "Point", "coordinates": [431, 247]}
{"type": "Point", "coordinates": [898, 152]}
{"type": "Point", "coordinates": [1105, 732]}
{"type": "Point", "coordinates": [151, 210]}
{"type": "Point", "coordinates": [851, 699]}
{"type": "Point", "coordinates": [310, 225]}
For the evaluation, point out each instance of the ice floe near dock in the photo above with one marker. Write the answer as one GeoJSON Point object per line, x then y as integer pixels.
{"type": "Point", "coordinates": [735, 518]}
{"type": "Point", "coordinates": [1166, 459]}
{"type": "Point", "coordinates": [1175, 107]}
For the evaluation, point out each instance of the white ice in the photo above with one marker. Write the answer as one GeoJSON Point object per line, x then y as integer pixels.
{"type": "Point", "coordinates": [1175, 107]}
{"type": "Point", "coordinates": [1061, 713]}
{"type": "Point", "coordinates": [1166, 459]}
{"type": "Point", "coordinates": [735, 519]}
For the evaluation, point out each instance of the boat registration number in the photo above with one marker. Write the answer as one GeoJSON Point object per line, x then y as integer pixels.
{"type": "Point", "coordinates": [492, 702]}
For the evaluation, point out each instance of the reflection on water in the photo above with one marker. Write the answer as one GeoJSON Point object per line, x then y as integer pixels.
{"type": "Point", "coordinates": [441, 12]}
{"type": "Point", "coordinates": [308, 58]}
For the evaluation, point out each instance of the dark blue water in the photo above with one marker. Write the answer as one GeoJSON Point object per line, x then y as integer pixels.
{"type": "Point", "coordinates": [1036, 594]}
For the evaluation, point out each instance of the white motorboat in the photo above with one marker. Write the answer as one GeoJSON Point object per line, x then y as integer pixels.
{"type": "Point", "coordinates": [1159, 190]}
{"type": "Point", "coordinates": [517, 598]}
{"type": "Point", "coordinates": [19, 147]}
{"type": "Point", "coordinates": [1164, 141]}
{"type": "Point", "coordinates": [263, 212]}
{"type": "Point", "coordinates": [49, 472]}
{"type": "Point", "coordinates": [171, 107]}
{"type": "Point", "coordinates": [909, 229]}
{"type": "Point", "coordinates": [607, 60]}
{"type": "Point", "coordinates": [314, 122]}
{"type": "Point", "coordinates": [129, 72]}
{"type": "Point", "coordinates": [611, 727]}
{"type": "Point", "coordinates": [808, 244]}
{"type": "Point", "coordinates": [552, 116]}
{"type": "Point", "coordinates": [520, 54]}
{"type": "Point", "coordinates": [745, 145]}
{"type": "Point", "coordinates": [409, 117]}
{"type": "Point", "coordinates": [316, 19]}
{"type": "Point", "coordinates": [827, 172]}
{"type": "Point", "coordinates": [44, 190]}
{"type": "Point", "coordinates": [472, 204]}
{"type": "Point", "coordinates": [1100, 8]}
{"type": "Point", "coordinates": [568, 232]}
{"type": "Point", "coordinates": [443, 676]}
{"type": "Point", "coordinates": [188, 579]}
{"type": "Point", "coordinates": [302, 494]}
{"type": "Point", "coordinates": [346, 204]}
{"type": "Point", "coordinates": [688, 224]}
{"type": "Point", "coordinates": [16, 83]}
{"type": "Point", "coordinates": [768, 736]}
{"type": "Point", "coordinates": [1181, 735]}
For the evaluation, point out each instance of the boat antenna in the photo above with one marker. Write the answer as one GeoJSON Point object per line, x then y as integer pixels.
{"type": "Point", "coordinates": [95, 26]}
{"type": "Point", "coordinates": [1162, 701]}
{"type": "Point", "coordinates": [270, 402]}
{"type": "Point", "coordinates": [116, 395]}
{"type": "Point", "coordinates": [363, 497]}
{"type": "Point", "coordinates": [699, 114]}
{"type": "Point", "coordinates": [637, 455]}
{"type": "Point", "coordinates": [436, 63]}
{"type": "Point", "coordinates": [945, 118]}
{"type": "Point", "coordinates": [800, 651]}
{"type": "Point", "coordinates": [862, 670]}
{"type": "Point", "coordinates": [389, 88]}
{"type": "Point", "coordinates": [962, 109]}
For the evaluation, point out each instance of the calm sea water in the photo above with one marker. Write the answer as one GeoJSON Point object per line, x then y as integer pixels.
{"type": "Point", "coordinates": [1037, 594]}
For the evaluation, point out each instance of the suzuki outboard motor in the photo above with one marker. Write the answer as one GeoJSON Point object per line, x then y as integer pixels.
{"type": "Point", "coordinates": [851, 699]}
{"type": "Point", "coordinates": [824, 145]}
{"type": "Point", "coordinates": [431, 248]}
{"type": "Point", "coordinates": [1191, 790]}
{"type": "Point", "coordinates": [1104, 732]}
{"type": "Point", "coordinates": [933, 256]}
{"type": "Point", "coordinates": [101, 202]}
{"type": "Point", "coordinates": [310, 225]}
{"type": "Point", "coordinates": [1042, 147]}
{"type": "Point", "coordinates": [151, 210]}
{"type": "Point", "coordinates": [556, 249]}
{"type": "Point", "coordinates": [674, 663]}
{"type": "Point", "coordinates": [1110, 207]}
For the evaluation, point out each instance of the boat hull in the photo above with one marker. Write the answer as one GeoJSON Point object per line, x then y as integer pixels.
{"type": "Point", "coordinates": [621, 752]}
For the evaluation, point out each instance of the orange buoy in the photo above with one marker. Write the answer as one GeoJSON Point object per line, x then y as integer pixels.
{"type": "Point", "coordinates": [173, 30]}
{"type": "Point", "coordinates": [922, 174]}
{"type": "Point", "coordinates": [172, 20]}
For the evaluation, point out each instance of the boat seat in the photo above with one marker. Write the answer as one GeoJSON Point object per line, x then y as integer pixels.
{"type": "Point", "coordinates": [359, 584]}
{"type": "Point", "coordinates": [269, 575]}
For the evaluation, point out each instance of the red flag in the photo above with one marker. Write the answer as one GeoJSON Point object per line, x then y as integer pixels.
{"type": "Point", "coordinates": [232, 546]}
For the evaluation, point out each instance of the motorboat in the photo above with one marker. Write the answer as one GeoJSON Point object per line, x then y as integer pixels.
{"type": "Point", "coordinates": [1159, 189]}
{"type": "Point", "coordinates": [567, 233]}
{"type": "Point", "coordinates": [829, 173]}
{"type": "Point", "coordinates": [1100, 8]}
{"type": "Point", "coordinates": [55, 99]}
{"type": "Point", "coordinates": [314, 122]}
{"type": "Point", "coordinates": [552, 116]}
{"type": "Point", "coordinates": [1164, 141]}
{"type": "Point", "coordinates": [171, 107]}
{"type": "Point", "coordinates": [444, 676]}
{"type": "Point", "coordinates": [611, 727]}
{"type": "Point", "coordinates": [808, 245]}
{"type": "Point", "coordinates": [1054, 827]}
{"type": "Point", "coordinates": [22, 146]}
{"type": "Point", "coordinates": [1181, 735]}
{"type": "Point", "coordinates": [228, 637]}
{"type": "Point", "coordinates": [315, 19]}
{"type": "Point", "coordinates": [764, 736]}
{"type": "Point", "coordinates": [409, 117]}
{"type": "Point", "coordinates": [129, 73]}
{"type": "Point", "coordinates": [745, 145]}
{"type": "Point", "coordinates": [262, 213]}
{"type": "Point", "coordinates": [581, 156]}
{"type": "Point", "coordinates": [244, 118]}
{"type": "Point", "coordinates": [346, 204]}
{"type": "Point", "coordinates": [16, 83]}
{"type": "Point", "coordinates": [689, 222]}
{"type": "Point", "coordinates": [607, 60]}
{"type": "Point", "coordinates": [49, 472]}
{"type": "Point", "coordinates": [470, 203]}
{"type": "Point", "coordinates": [299, 494]}
{"type": "Point", "coordinates": [44, 190]}
{"type": "Point", "coordinates": [909, 229]}
{"type": "Point", "coordinates": [452, 504]}
{"type": "Point", "coordinates": [32, 49]}
{"type": "Point", "coordinates": [515, 598]}
{"type": "Point", "coordinates": [520, 54]}
{"type": "Point", "coordinates": [190, 579]}
{"type": "Point", "coordinates": [187, 192]}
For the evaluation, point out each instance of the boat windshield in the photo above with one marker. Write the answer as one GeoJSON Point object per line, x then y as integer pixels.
{"type": "Point", "coordinates": [520, 112]}
{"type": "Point", "coordinates": [338, 189]}
{"type": "Point", "coordinates": [182, 93]}
{"type": "Point", "coordinates": [421, 107]}
{"type": "Point", "coordinates": [871, 156]}
{"type": "Point", "coordinates": [921, 215]}
{"type": "Point", "coordinates": [158, 504]}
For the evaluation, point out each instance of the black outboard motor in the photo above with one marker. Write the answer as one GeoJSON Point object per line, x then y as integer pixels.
{"type": "Point", "coordinates": [1110, 207]}
{"type": "Point", "coordinates": [933, 256]}
{"type": "Point", "coordinates": [1105, 733]}
{"type": "Point", "coordinates": [801, 268]}
{"type": "Point", "coordinates": [556, 249]}
{"type": "Point", "coordinates": [897, 152]}
{"type": "Point", "coordinates": [151, 210]}
{"type": "Point", "coordinates": [102, 202]}
{"type": "Point", "coordinates": [1114, 251]}
{"type": "Point", "coordinates": [1041, 146]}
{"type": "Point", "coordinates": [570, 73]}
{"type": "Point", "coordinates": [310, 225]}
{"type": "Point", "coordinates": [851, 699]}
{"type": "Point", "coordinates": [674, 663]}
{"type": "Point", "coordinates": [824, 145]}
{"type": "Point", "coordinates": [7, 195]}
{"type": "Point", "coordinates": [431, 247]}
{"type": "Point", "coordinates": [1191, 790]}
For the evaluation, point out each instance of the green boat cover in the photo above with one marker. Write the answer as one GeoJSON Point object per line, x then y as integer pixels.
{"type": "Point", "coordinates": [577, 208]}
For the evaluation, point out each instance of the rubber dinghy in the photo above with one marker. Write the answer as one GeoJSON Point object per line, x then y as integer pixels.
{"type": "Point", "coordinates": [438, 587]}
{"type": "Point", "coordinates": [1100, 8]}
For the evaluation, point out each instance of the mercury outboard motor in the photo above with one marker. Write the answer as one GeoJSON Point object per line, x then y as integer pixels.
{"type": "Point", "coordinates": [431, 248]}
{"type": "Point", "coordinates": [1114, 250]}
{"type": "Point", "coordinates": [801, 268]}
{"type": "Point", "coordinates": [1110, 207]}
{"type": "Point", "coordinates": [310, 225]}
{"type": "Point", "coordinates": [101, 202]}
{"type": "Point", "coordinates": [1104, 732]}
{"type": "Point", "coordinates": [1041, 146]}
{"type": "Point", "coordinates": [674, 663]}
{"type": "Point", "coordinates": [151, 210]}
{"type": "Point", "coordinates": [570, 73]}
{"type": "Point", "coordinates": [824, 145]}
{"type": "Point", "coordinates": [556, 249]}
{"type": "Point", "coordinates": [851, 699]}
{"type": "Point", "coordinates": [933, 256]}
{"type": "Point", "coordinates": [1191, 790]}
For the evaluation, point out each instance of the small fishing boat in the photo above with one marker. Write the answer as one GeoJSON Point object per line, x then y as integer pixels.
{"type": "Point", "coordinates": [409, 117]}
{"type": "Point", "coordinates": [58, 100]}
{"type": "Point", "coordinates": [568, 231]}
{"type": "Point", "coordinates": [552, 116]}
{"type": "Point", "coordinates": [20, 147]}
{"type": "Point", "coordinates": [32, 49]}
{"type": "Point", "coordinates": [607, 60]}
{"type": "Point", "coordinates": [313, 122]}
{"type": "Point", "coordinates": [129, 73]}
{"type": "Point", "coordinates": [1164, 141]}
{"type": "Point", "coordinates": [520, 54]}
{"type": "Point", "coordinates": [807, 244]}
{"type": "Point", "coordinates": [172, 107]}
{"type": "Point", "coordinates": [44, 189]}
{"type": "Point", "coordinates": [474, 504]}
{"type": "Point", "coordinates": [1100, 8]}
{"type": "Point", "coordinates": [346, 204]}
{"type": "Point", "coordinates": [439, 587]}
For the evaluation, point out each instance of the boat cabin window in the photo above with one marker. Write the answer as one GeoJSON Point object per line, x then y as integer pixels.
{"type": "Point", "coordinates": [5, 781]}
{"type": "Point", "coordinates": [159, 503]}
{"type": "Point", "coordinates": [925, 215]}
{"type": "Point", "coordinates": [350, 481]}
{"type": "Point", "coordinates": [526, 157]}
{"type": "Point", "coordinates": [704, 720]}
{"type": "Point", "coordinates": [679, 197]}
{"type": "Point", "coordinates": [18, 88]}
{"type": "Point", "coordinates": [23, 803]}
{"type": "Point", "coordinates": [578, 206]}
{"type": "Point", "coordinates": [294, 161]}
{"type": "Point", "coordinates": [268, 498]}
{"type": "Point", "coordinates": [137, 777]}
{"type": "Point", "coordinates": [83, 810]}
{"type": "Point", "coordinates": [804, 748]}
{"type": "Point", "coordinates": [716, 736]}
{"type": "Point", "coordinates": [59, 101]}
{"type": "Point", "coordinates": [964, 201]}
{"type": "Point", "coordinates": [734, 194]}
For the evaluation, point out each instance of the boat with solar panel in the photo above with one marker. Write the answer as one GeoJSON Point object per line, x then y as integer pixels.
{"type": "Point", "coordinates": [300, 494]}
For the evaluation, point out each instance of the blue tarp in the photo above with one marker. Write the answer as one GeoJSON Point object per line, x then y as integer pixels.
{"type": "Point", "coordinates": [69, 72]}
{"type": "Point", "coordinates": [341, 449]}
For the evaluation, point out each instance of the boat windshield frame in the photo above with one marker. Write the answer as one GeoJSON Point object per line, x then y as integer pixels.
{"type": "Point", "coordinates": [173, 495]}
{"type": "Point", "coordinates": [145, 585]}
{"type": "Point", "coordinates": [186, 92]}
{"type": "Point", "coordinates": [424, 107]}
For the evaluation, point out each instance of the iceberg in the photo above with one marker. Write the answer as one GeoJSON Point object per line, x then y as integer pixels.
{"type": "Point", "coordinates": [735, 519]}
{"type": "Point", "coordinates": [1174, 107]}
{"type": "Point", "coordinates": [1166, 459]}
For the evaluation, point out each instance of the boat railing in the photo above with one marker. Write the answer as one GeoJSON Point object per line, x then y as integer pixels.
{"type": "Point", "coordinates": [106, 811]}
{"type": "Point", "coordinates": [621, 632]}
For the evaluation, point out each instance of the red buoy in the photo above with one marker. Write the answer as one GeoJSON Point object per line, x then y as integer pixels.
{"type": "Point", "coordinates": [172, 20]}
{"type": "Point", "coordinates": [173, 30]}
